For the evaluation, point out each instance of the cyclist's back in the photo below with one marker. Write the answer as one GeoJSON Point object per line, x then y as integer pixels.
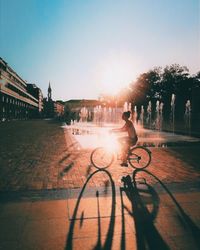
{"type": "Point", "coordinates": [129, 127]}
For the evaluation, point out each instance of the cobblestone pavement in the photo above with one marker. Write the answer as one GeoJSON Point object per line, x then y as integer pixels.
{"type": "Point", "coordinates": [40, 154]}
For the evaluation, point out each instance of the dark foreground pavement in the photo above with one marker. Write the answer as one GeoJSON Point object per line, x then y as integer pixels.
{"type": "Point", "coordinates": [52, 198]}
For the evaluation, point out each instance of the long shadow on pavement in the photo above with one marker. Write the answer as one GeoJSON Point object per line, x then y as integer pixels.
{"type": "Point", "coordinates": [66, 157]}
{"type": "Point", "coordinates": [145, 230]}
{"type": "Point", "coordinates": [182, 216]}
{"type": "Point", "coordinates": [147, 235]}
{"type": "Point", "coordinates": [140, 195]}
{"type": "Point", "coordinates": [108, 241]}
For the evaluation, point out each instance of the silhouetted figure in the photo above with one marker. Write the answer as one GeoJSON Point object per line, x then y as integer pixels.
{"type": "Point", "coordinates": [129, 140]}
{"type": "Point", "coordinates": [147, 235]}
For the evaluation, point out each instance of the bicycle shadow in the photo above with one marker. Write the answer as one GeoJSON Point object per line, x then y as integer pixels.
{"type": "Point", "coordinates": [147, 235]}
{"type": "Point", "coordinates": [110, 232]}
{"type": "Point", "coordinates": [139, 214]}
{"type": "Point", "coordinates": [181, 215]}
{"type": "Point", "coordinates": [144, 208]}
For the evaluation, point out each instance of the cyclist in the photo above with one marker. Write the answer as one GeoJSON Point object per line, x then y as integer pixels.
{"type": "Point", "coordinates": [126, 141]}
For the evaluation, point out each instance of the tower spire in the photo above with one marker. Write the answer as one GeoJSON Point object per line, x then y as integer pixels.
{"type": "Point", "coordinates": [49, 92]}
{"type": "Point", "coordinates": [49, 88]}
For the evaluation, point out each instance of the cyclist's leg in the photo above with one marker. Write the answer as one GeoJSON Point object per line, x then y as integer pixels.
{"type": "Point", "coordinates": [121, 143]}
{"type": "Point", "coordinates": [125, 145]}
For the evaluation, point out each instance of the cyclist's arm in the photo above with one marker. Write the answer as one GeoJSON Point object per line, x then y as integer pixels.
{"type": "Point", "coordinates": [122, 129]}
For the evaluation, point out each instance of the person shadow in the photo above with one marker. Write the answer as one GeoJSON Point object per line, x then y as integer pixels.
{"type": "Point", "coordinates": [147, 235]}
{"type": "Point", "coordinates": [139, 202]}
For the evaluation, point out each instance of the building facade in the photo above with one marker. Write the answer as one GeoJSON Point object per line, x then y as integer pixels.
{"type": "Point", "coordinates": [59, 109]}
{"type": "Point", "coordinates": [53, 109]}
{"type": "Point", "coordinates": [37, 93]}
{"type": "Point", "coordinates": [15, 100]}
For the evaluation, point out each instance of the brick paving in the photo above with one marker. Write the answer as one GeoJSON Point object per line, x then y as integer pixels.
{"type": "Point", "coordinates": [29, 154]}
{"type": "Point", "coordinates": [46, 169]}
{"type": "Point", "coordinates": [40, 154]}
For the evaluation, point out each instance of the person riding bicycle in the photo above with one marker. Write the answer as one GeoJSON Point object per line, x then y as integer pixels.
{"type": "Point", "coordinates": [127, 141]}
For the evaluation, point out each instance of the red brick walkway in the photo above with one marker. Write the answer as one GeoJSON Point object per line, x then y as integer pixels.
{"type": "Point", "coordinates": [42, 155]}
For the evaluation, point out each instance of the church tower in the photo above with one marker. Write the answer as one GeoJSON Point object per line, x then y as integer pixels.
{"type": "Point", "coordinates": [49, 104]}
{"type": "Point", "coordinates": [49, 92]}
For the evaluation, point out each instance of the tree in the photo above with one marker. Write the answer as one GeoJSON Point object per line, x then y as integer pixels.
{"type": "Point", "coordinates": [158, 84]}
{"type": "Point", "coordinates": [146, 87]}
{"type": "Point", "coordinates": [195, 98]}
{"type": "Point", "coordinates": [175, 80]}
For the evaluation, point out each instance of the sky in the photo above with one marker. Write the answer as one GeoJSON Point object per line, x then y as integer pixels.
{"type": "Point", "coordinates": [89, 47]}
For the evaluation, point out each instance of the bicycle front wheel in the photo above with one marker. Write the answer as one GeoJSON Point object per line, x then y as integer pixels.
{"type": "Point", "coordinates": [139, 157]}
{"type": "Point", "coordinates": [101, 158]}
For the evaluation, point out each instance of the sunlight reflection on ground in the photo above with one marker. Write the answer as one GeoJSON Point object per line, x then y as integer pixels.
{"type": "Point", "coordinates": [99, 138]}
{"type": "Point", "coordinates": [91, 135]}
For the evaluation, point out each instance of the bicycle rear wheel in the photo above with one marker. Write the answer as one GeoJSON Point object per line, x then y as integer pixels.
{"type": "Point", "coordinates": [101, 158]}
{"type": "Point", "coordinates": [139, 157]}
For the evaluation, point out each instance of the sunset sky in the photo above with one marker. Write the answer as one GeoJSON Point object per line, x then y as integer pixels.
{"type": "Point", "coordinates": [86, 47]}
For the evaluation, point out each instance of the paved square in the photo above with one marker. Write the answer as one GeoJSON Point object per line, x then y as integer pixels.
{"type": "Point", "coordinates": [52, 198]}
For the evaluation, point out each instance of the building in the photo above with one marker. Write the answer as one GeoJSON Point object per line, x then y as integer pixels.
{"type": "Point", "coordinates": [48, 104]}
{"type": "Point", "coordinates": [59, 109]}
{"type": "Point", "coordinates": [53, 109]}
{"type": "Point", "coordinates": [15, 100]}
{"type": "Point", "coordinates": [77, 104]}
{"type": "Point", "coordinates": [37, 93]}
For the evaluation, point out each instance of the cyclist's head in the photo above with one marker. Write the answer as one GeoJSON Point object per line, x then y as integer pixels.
{"type": "Point", "coordinates": [126, 115]}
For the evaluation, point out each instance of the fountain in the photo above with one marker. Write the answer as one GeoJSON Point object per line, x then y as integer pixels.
{"type": "Point", "coordinates": [104, 118]}
{"type": "Point", "coordinates": [159, 115]}
{"type": "Point", "coordinates": [142, 116]}
{"type": "Point", "coordinates": [157, 121]}
{"type": "Point", "coordinates": [97, 114]}
{"type": "Point", "coordinates": [149, 111]}
{"type": "Point", "coordinates": [83, 114]}
{"type": "Point", "coordinates": [188, 115]}
{"type": "Point", "coordinates": [129, 106]}
{"type": "Point", "coordinates": [125, 106]}
{"type": "Point", "coordinates": [135, 115]}
{"type": "Point", "coordinates": [173, 110]}
{"type": "Point", "coordinates": [107, 114]}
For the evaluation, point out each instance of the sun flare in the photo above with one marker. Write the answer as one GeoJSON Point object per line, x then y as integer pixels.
{"type": "Point", "coordinates": [115, 74]}
{"type": "Point", "coordinates": [111, 143]}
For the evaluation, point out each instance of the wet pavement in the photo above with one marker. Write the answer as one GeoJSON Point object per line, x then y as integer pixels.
{"type": "Point", "coordinates": [89, 134]}
{"type": "Point", "coordinates": [52, 198]}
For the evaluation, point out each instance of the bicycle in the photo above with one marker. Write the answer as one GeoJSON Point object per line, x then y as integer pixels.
{"type": "Point", "coordinates": [139, 157]}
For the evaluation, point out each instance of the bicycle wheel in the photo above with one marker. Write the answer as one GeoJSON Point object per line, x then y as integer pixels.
{"type": "Point", "coordinates": [139, 157]}
{"type": "Point", "coordinates": [101, 158]}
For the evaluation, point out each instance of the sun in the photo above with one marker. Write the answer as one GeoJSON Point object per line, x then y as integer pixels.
{"type": "Point", "coordinates": [115, 74]}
